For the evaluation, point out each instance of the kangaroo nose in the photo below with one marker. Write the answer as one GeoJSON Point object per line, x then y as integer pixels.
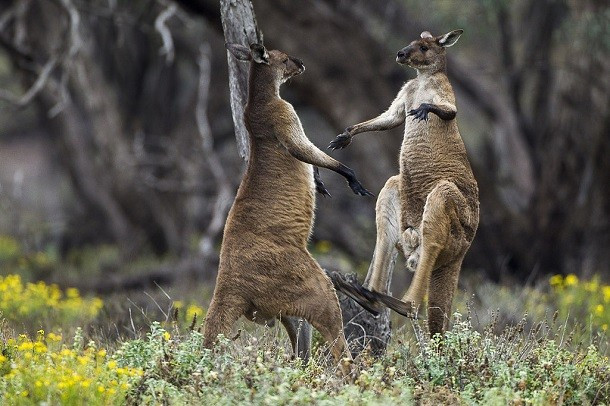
{"type": "Point", "coordinates": [299, 63]}
{"type": "Point", "coordinates": [401, 54]}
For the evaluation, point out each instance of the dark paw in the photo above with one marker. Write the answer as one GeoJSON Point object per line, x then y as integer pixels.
{"type": "Point", "coordinates": [321, 189]}
{"type": "Point", "coordinates": [356, 292]}
{"type": "Point", "coordinates": [342, 141]}
{"type": "Point", "coordinates": [420, 113]}
{"type": "Point", "coordinates": [397, 305]}
{"type": "Point", "coordinates": [358, 189]}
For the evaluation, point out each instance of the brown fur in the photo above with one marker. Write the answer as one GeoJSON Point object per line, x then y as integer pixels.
{"type": "Point", "coordinates": [435, 193]}
{"type": "Point", "coordinates": [265, 269]}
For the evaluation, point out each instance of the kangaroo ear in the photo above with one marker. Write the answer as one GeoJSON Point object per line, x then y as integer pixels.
{"type": "Point", "coordinates": [240, 52]}
{"type": "Point", "coordinates": [449, 39]}
{"type": "Point", "coordinates": [259, 53]}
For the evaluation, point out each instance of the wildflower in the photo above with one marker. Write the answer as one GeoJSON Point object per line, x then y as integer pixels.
{"type": "Point", "coordinates": [2, 358]}
{"type": "Point", "coordinates": [323, 246]}
{"type": "Point", "coordinates": [193, 310]}
{"type": "Point", "coordinates": [556, 280]}
{"type": "Point", "coordinates": [599, 310]}
{"type": "Point", "coordinates": [26, 346]}
{"type": "Point", "coordinates": [606, 292]}
{"type": "Point", "coordinates": [571, 280]}
{"type": "Point", "coordinates": [178, 304]}
{"type": "Point", "coordinates": [101, 353]}
{"type": "Point", "coordinates": [101, 388]}
{"type": "Point", "coordinates": [166, 335]}
{"type": "Point", "coordinates": [604, 327]}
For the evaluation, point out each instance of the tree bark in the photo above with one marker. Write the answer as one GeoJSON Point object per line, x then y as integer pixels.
{"type": "Point", "coordinates": [239, 27]}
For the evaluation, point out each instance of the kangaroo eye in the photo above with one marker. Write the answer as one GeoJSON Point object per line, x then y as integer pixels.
{"type": "Point", "coordinates": [285, 60]}
{"type": "Point", "coordinates": [423, 48]}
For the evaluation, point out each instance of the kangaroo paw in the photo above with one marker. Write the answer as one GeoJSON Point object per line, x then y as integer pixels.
{"type": "Point", "coordinates": [354, 291]}
{"type": "Point", "coordinates": [358, 189]}
{"type": "Point", "coordinates": [400, 307]}
{"type": "Point", "coordinates": [412, 261]}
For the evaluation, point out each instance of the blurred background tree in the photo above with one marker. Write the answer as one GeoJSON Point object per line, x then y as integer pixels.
{"type": "Point", "coordinates": [116, 125]}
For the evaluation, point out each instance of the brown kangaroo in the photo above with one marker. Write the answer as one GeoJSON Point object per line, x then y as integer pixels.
{"type": "Point", "coordinates": [430, 211]}
{"type": "Point", "coordinates": [265, 270]}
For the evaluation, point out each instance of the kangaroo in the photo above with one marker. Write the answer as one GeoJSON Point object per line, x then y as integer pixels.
{"type": "Point", "coordinates": [430, 211]}
{"type": "Point", "coordinates": [265, 270]}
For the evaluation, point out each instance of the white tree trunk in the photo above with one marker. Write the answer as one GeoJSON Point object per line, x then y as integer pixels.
{"type": "Point", "coordinates": [239, 26]}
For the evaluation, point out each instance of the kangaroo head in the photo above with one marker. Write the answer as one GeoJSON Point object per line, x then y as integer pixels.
{"type": "Point", "coordinates": [274, 66]}
{"type": "Point", "coordinates": [428, 52]}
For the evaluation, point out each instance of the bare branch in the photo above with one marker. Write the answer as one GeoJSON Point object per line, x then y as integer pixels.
{"type": "Point", "coordinates": [166, 35]}
{"type": "Point", "coordinates": [225, 194]}
{"type": "Point", "coordinates": [38, 85]}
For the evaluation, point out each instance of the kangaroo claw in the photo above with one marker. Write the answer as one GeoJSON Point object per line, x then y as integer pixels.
{"type": "Point", "coordinates": [341, 141]}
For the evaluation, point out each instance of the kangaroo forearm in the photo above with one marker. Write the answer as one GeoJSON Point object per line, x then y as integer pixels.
{"type": "Point", "coordinates": [443, 112]}
{"type": "Point", "coordinates": [375, 124]}
{"type": "Point", "coordinates": [314, 156]}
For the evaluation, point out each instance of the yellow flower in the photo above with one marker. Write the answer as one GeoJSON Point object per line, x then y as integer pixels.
{"type": "Point", "coordinates": [599, 310]}
{"type": "Point", "coordinates": [2, 358]}
{"type": "Point", "coordinates": [101, 353]}
{"type": "Point", "coordinates": [571, 280]}
{"type": "Point", "coordinates": [193, 310]}
{"type": "Point", "coordinates": [606, 292]}
{"type": "Point", "coordinates": [604, 327]}
{"type": "Point", "coordinates": [556, 280]}
{"type": "Point", "coordinates": [323, 246]}
{"type": "Point", "coordinates": [178, 304]}
{"type": "Point", "coordinates": [26, 346]}
{"type": "Point", "coordinates": [101, 389]}
{"type": "Point", "coordinates": [166, 335]}
{"type": "Point", "coordinates": [72, 293]}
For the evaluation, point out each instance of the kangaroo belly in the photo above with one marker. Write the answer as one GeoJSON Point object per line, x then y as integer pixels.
{"type": "Point", "coordinates": [426, 159]}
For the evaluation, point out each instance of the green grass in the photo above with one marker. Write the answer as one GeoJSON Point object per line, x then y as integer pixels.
{"type": "Point", "coordinates": [546, 344]}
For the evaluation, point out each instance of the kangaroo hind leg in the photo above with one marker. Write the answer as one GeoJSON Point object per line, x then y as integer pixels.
{"type": "Point", "coordinates": [299, 331]}
{"type": "Point", "coordinates": [387, 221]}
{"type": "Point", "coordinates": [435, 231]}
{"type": "Point", "coordinates": [222, 314]}
{"type": "Point", "coordinates": [443, 284]}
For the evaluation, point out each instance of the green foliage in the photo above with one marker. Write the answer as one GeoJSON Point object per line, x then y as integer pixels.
{"type": "Point", "coordinates": [179, 370]}
{"type": "Point", "coordinates": [516, 366]}
{"type": "Point", "coordinates": [45, 371]}
{"type": "Point", "coordinates": [587, 301]}
{"type": "Point", "coordinates": [34, 305]}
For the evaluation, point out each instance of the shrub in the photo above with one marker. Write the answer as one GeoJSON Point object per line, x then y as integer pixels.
{"type": "Point", "coordinates": [44, 371]}
{"type": "Point", "coordinates": [514, 367]}
{"type": "Point", "coordinates": [586, 301]}
{"type": "Point", "coordinates": [35, 305]}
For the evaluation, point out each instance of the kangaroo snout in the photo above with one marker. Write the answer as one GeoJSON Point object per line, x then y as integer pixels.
{"type": "Point", "coordinates": [299, 64]}
{"type": "Point", "coordinates": [403, 55]}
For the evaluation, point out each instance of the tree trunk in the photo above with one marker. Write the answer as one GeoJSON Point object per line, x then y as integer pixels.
{"type": "Point", "coordinates": [239, 26]}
